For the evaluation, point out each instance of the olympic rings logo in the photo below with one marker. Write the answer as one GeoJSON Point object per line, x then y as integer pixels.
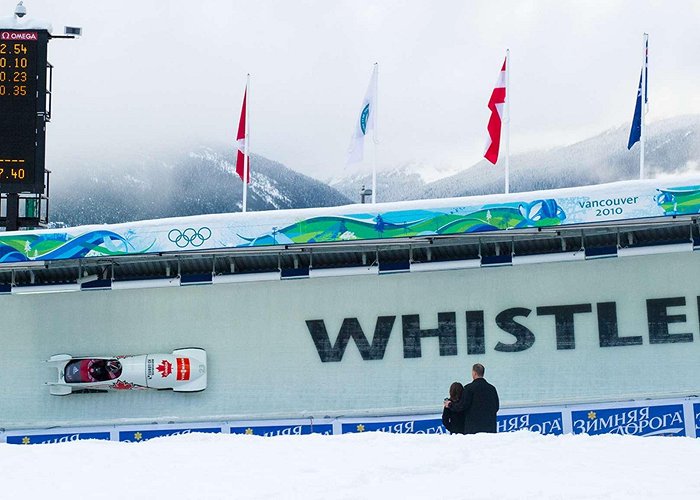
{"type": "Point", "coordinates": [190, 236]}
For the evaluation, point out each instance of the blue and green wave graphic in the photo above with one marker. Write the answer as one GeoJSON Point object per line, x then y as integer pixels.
{"type": "Point", "coordinates": [55, 246]}
{"type": "Point", "coordinates": [412, 223]}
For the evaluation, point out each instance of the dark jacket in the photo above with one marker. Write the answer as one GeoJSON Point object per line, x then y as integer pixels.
{"type": "Point", "coordinates": [479, 402]}
{"type": "Point", "coordinates": [453, 420]}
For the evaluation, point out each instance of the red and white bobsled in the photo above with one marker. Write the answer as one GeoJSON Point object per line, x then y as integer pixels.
{"type": "Point", "coordinates": [185, 370]}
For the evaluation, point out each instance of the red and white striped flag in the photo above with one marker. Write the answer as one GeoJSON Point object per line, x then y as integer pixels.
{"type": "Point", "coordinates": [241, 143]}
{"type": "Point", "coordinates": [496, 105]}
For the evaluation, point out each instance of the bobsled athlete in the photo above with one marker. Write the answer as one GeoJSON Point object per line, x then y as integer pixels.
{"type": "Point", "coordinates": [453, 420]}
{"type": "Point", "coordinates": [100, 370]}
{"type": "Point", "coordinates": [92, 370]}
{"type": "Point", "coordinates": [114, 368]}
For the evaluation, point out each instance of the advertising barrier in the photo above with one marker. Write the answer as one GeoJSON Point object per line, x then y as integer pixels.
{"type": "Point", "coordinates": [543, 423]}
{"type": "Point", "coordinates": [62, 437]}
{"type": "Point", "coordinates": [144, 433]}
{"type": "Point", "coordinates": [423, 424]}
{"type": "Point", "coordinates": [283, 428]}
{"type": "Point", "coordinates": [668, 417]}
{"type": "Point", "coordinates": [650, 420]}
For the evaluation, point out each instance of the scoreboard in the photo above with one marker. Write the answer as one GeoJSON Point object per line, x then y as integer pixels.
{"type": "Point", "coordinates": [23, 70]}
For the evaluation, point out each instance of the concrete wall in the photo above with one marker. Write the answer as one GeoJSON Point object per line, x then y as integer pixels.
{"type": "Point", "coordinates": [641, 338]}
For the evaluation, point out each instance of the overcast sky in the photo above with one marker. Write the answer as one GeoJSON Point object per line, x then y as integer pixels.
{"type": "Point", "coordinates": [154, 73]}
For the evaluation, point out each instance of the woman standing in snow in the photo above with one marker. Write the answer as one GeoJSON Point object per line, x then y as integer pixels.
{"type": "Point", "coordinates": [453, 420]}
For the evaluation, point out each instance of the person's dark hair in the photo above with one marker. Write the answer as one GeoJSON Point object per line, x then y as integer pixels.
{"type": "Point", "coordinates": [478, 369]}
{"type": "Point", "coordinates": [456, 391]}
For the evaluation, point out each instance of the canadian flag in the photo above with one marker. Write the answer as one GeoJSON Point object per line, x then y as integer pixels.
{"type": "Point", "coordinates": [241, 143]}
{"type": "Point", "coordinates": [496, 105]}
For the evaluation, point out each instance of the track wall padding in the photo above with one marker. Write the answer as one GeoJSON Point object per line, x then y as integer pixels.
{"type": "Point", "coordinates": [367, 345]}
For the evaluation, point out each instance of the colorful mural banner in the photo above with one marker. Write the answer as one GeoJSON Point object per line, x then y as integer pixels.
{"type": "Point", "coordinates": [426, 218]}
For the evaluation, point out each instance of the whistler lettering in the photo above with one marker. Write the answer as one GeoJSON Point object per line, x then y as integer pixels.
{"type": "Point", "coordinates": [510, 321]}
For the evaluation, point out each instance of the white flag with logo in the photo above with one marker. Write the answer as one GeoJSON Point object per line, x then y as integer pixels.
{"type": "Point", "coordinates": [366, 120]}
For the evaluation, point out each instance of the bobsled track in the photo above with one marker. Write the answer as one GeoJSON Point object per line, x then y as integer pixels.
{"type": "Point", "coordinates": [602, 309]}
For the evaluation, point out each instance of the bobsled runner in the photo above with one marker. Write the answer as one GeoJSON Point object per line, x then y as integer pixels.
{"type": "Point", "coordinates": [185, 370]}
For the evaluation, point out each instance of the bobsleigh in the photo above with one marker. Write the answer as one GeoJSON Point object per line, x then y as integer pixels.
{"type": "Point", "coordinates": [185, 370]}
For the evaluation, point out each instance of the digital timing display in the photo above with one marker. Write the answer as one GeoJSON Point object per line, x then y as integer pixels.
{"type": "Point", "coordinates": [22, 107]}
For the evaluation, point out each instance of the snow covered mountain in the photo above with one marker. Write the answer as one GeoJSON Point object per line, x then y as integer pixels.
{"type": "Point", "coordinates": [391, 184]}
{"type": "Point", "coordinates": [201, 181]}
{"type": "Point", "coordinates": [673, 146]}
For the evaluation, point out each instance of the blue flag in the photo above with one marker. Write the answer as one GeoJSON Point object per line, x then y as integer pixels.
{"type": "Point", "coordinates": [636, 130]}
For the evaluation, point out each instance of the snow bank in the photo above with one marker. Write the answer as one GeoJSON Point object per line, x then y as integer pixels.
{"type": "Point", "coordinates": [24, 23]}
{"type": "Point", "coordinates": [370, 465]}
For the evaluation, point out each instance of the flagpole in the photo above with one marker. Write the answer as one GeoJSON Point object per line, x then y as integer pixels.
{"type": "Point", "coordinates": [246, 147]}
{"type": "Point", "coordinates": [643, 110]}
{"type": "Point", "coordinates": [375, 138]}
{"type": "Point", "coordinates": [374, 175]}
{"type": "Point", "coordinates": [507, 120]}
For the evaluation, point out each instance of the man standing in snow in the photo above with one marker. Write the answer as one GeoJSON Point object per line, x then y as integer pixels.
{"type": "Point", "coordinates": [479, 402]}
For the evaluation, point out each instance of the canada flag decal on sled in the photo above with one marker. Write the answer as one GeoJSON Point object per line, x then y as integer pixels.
{"type": "Point", "coordinates": [183, 368]}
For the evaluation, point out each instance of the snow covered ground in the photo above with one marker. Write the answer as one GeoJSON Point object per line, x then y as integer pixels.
{"type": "Point", "coordinates": [370, 465]}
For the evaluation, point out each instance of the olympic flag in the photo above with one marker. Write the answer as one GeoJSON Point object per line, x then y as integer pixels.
{"type": "Point", "coordinates": [365, 121]}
